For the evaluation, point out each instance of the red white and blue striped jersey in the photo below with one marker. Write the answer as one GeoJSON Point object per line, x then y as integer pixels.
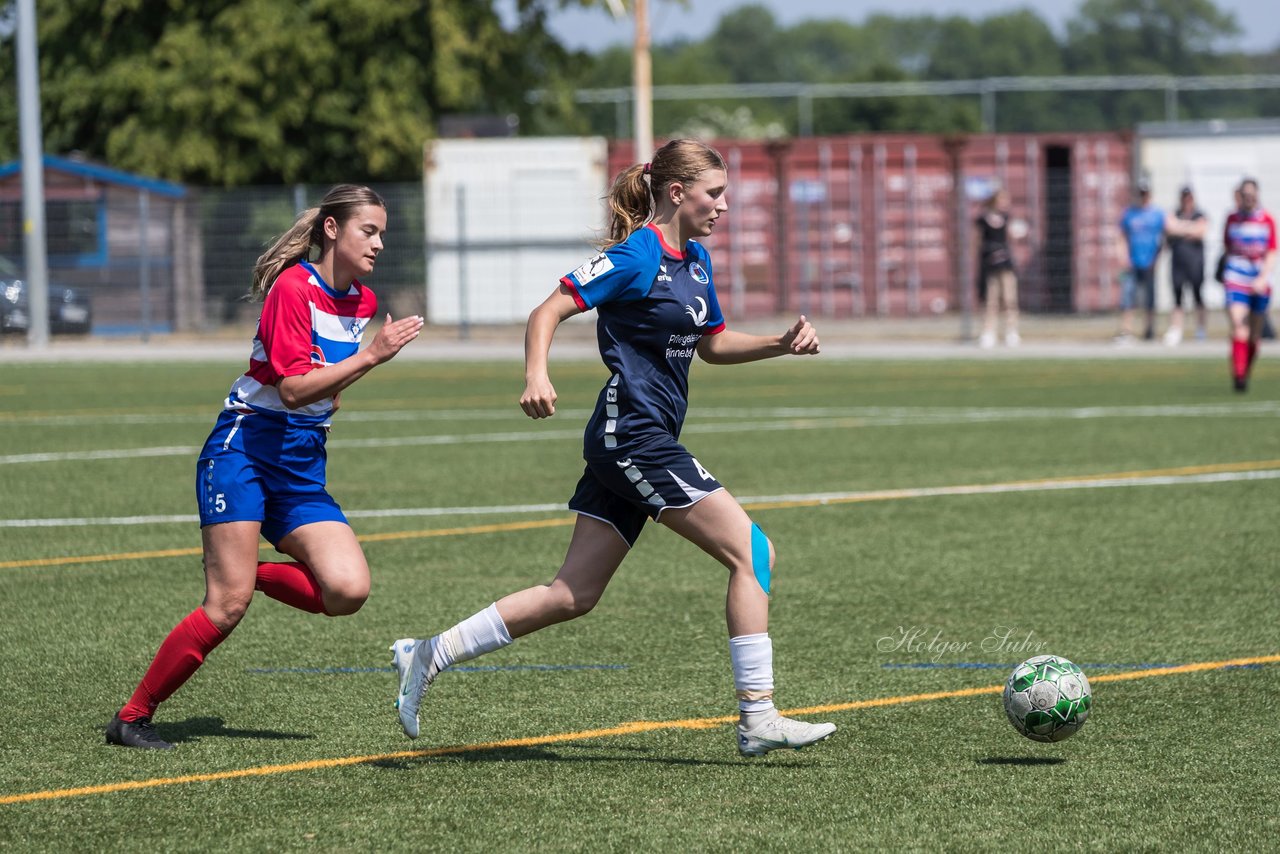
{"type": "Point", "coordinates": [305, 324]}
{"type": "Point", "coordinates": [1248, 238]}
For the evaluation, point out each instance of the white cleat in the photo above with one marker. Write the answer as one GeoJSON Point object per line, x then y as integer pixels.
{"type": "Point", "coordinates": [780, 733]}
{"type": "Point", "coordinates": [414, 663]}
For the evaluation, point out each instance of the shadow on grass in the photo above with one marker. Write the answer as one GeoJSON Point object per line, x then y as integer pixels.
{"type": "Point", "coordinates": [1021, 760]}
{"type": "Point", "coordinates": [194, 729]}
{"type": "Point", "coordinates": [542, 754]}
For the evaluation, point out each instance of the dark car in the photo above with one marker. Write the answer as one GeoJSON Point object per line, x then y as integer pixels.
{"type": "Point", "coordinates": [70, 310]}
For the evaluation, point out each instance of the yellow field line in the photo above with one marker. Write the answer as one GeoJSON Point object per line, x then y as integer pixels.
{"type": "Point", "coordinates": [631, 728]}
{"type": "Point", "coordinates": [364, 538]}
{"type": "Point", "coordinates": [563, 521]}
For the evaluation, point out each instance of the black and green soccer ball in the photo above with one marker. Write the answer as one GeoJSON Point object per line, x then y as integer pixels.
{"type": "Point", "coordinates": [1047, 698]}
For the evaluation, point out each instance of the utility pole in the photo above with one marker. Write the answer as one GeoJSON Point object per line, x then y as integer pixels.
{"type": "Point", "coordinates": [642, 83]}
{"type": "Point", "coordinates": [31, 143]}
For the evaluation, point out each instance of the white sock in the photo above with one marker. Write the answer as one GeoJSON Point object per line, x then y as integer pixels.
{"type": "Point", "coordinates": [473, 637]}
{"type": "Point", "coordinates": [752, 658]}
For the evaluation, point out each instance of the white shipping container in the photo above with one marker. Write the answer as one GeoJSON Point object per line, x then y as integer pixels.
{"type": "Point", "coordinates": [506, 218]}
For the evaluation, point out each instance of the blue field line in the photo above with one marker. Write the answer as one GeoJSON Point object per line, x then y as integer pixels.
{"type": "Point", "coordinates": [325, 671]}
{"type": "Point", "coordinates": [985, 665]}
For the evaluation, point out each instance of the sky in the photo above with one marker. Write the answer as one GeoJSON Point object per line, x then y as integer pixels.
{"type": "Point", "coordinates": [593, 29]}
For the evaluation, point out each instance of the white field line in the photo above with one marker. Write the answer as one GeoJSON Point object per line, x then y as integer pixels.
{"type": "Point", "coordinates": [924, 413]}
{"type": "Point", "coordinates": [821, 418]}
{"type": "Point", "coordinates": [751, 501]}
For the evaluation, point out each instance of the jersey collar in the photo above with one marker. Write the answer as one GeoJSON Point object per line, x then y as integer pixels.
{"type": "Point", "coordinates": [663, 243]}
{"type": "Point", "coordinates": [328, 288]}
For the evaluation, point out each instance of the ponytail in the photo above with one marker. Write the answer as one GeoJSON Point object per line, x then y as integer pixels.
{"type": "Point", "coordinates": [630, 204]}
{"type": "Point", "coordinates": [631, 198]}
{"type": "Point", "coordinates": [290, 248]}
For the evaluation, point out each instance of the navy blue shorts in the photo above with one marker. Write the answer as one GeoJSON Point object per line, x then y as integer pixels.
{"type": "Point", "coordinates": [626, 490]}
{"type": "Point", "coordinates": [254, 469]}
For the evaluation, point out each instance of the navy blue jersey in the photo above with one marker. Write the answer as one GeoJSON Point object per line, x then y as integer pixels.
{"type": "Point", "coordinates": [654, 304]}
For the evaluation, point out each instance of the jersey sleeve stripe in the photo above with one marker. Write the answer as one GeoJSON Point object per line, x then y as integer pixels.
{"type": "Point", "coordinates": [568, 285]}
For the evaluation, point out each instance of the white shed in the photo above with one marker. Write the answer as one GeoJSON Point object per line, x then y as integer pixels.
{"type": "Point", "coordinates": [506, 218]}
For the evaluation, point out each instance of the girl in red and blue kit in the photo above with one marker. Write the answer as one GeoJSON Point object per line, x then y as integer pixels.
{"type": "Point", "coordinates": [1249, 241]}
{"type": "Point", "coordinates": [262, 470]}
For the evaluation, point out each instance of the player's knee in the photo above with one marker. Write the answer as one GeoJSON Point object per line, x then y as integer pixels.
{"type": "Point", "coordinates": [345, 597]}
{"type": "Point", "coordinates": [569, 602]}
{"type": "Point", "coordinates": [226, 608]}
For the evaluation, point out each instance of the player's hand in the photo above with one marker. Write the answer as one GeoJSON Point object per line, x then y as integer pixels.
{"type": "Point", "coordinates": [393, 335]}
{"type": "Point", "coordinates": [801, 339]}
{"type": "Point", "coordinates": [539, 398]}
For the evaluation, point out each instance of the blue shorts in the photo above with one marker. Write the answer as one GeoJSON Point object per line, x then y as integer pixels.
{"type": "Point", "coordinates": [255, 469]}
{"type": "Point", "coordinates": [1256, 302]}
{"type": "Point", "coordinates": [626, 490]}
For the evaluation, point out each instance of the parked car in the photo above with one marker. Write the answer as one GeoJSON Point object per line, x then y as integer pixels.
{"type": "Point", "coordinates": [70, 310]}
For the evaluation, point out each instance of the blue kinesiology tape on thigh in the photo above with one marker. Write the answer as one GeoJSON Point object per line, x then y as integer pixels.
{"type": "Point", "coordinates": [760, 557]}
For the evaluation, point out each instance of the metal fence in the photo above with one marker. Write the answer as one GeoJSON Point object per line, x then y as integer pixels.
{"type": "Point", "coordinates": [869, 225]}
{"type": "Point", "coordinates": [237, 225]}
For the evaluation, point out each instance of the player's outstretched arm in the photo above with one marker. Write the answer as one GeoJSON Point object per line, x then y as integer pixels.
{"type": "Point", "coordinates": [539, 397]}
{"type": "Point", "coordinates": [734, 348]}
{"type": "Point", "coordinates": [327, 381]}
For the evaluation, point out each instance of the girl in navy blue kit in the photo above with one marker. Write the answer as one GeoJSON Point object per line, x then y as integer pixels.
{"type": "Point", "coordinates": [262, 470]}
{"type": "Point", "coordinates": [656, 303]}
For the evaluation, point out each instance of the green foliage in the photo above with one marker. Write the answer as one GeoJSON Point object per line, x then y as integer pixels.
{"type": "Point", "coordinates": [283, 91]}
{"type": "Point", "coordinates": [1166, 37]}
{"type": "Point", "coordinates": [274, 91]}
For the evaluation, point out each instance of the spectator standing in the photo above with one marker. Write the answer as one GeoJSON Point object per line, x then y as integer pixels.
{"type": "Point", "coordinates": [1186, 230]}
{"type": "Point", "coordinates": [998, 280]}
{"type": "Point", "coordinates": [1142, 230]}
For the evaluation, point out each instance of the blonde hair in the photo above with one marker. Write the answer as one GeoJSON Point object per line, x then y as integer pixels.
{"type": "Point", "coordinates": [341, 203]}
{"type": "Point", "coordinates": [631, 199]}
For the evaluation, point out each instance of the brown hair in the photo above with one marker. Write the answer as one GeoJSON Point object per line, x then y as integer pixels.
{"type": "Point", "coordinates": [631, 200]}
{"type": "Point", "coordinates": [341, 203]}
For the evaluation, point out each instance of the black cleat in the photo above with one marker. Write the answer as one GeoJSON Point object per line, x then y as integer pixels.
{"type": "Point", "coordinates": [139, 733]}
{"type": "Point", "coordinates": [1241, 383]}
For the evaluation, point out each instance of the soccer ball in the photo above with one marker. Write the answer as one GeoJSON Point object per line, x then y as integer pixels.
{"type": "Point", "coordinates": [1047, 698]}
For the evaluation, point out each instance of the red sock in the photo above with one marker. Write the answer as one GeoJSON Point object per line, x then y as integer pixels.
{"type": "Point", "coordinates": [1239, 358]}
{"type": "Point", "coordinates": [291, 583]}
{"type": "Point", "coordinates": [180, 655]}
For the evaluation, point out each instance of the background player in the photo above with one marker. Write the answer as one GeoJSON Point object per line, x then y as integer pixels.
{"type": "Point", "coordinates": [1249, 240]}
{"type": "Point", "coordinates": [652, 289]}
{"type": "Point", "coordinates": [262, 470]}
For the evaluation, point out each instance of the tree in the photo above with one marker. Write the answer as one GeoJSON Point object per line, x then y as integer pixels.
{"type": "Point", "coordinates": [1147, 36]}
{"type": "Point", "coordinates": [275, 90]}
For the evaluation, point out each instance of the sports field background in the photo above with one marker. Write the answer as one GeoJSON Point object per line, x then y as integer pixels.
{"type": "Point", "coordinates": [1120, 512]}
